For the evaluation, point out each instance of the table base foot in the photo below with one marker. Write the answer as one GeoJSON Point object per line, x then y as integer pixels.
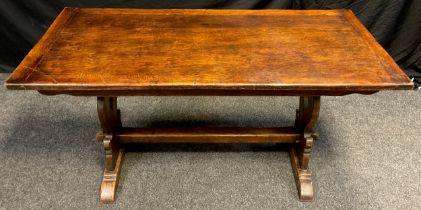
{"type": "Point", "coordinates": [302, 178]}
{"type": "Point", "coordinates": [110, 180]}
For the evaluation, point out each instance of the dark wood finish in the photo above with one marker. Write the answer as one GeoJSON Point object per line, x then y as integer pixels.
{"type": "Point", "coordinates": [206, 135]}
{"type": "Point", "coordinates": [109, 117]}
{"type": "Point", "coordinates": [110, 180]}
{"type": "Point", "coordinates": [306, 118]}
{"type": "Point", "coordinates": [127, 52]}
{"type": "Point", "coordinates": [114, 136]}
{"type": "Point", "coordinates": [155, 51]}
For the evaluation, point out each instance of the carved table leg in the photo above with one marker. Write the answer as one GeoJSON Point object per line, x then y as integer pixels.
{"type": "Point", "coordinates": [306, 118]}
{"type": "Point", "coordinates": [109, 117]}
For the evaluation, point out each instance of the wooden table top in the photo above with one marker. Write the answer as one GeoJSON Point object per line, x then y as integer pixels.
{"type": "Point", "coordinates": [99, 50]}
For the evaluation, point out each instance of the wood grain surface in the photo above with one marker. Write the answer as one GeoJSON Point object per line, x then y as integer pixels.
{"type": "Point", "coordinates": [205, 135]}
{"type": "Point", "coordinates": [131, 50]}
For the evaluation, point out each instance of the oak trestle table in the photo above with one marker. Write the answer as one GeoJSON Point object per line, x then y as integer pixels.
{"type": "Point", "coordinates": [108, 53]}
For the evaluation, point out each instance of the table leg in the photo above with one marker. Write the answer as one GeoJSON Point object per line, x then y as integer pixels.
{"type": "Point", "coordinates": [306, 118]}
{"type": "Point", "coordinates": [109, 117]}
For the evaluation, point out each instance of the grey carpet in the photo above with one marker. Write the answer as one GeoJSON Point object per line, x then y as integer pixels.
{"type": "Point", "coordinates": [368, 154]}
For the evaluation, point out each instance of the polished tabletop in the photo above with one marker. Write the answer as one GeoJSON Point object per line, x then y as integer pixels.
{"type": "Point", "coordinates": [139, 49]}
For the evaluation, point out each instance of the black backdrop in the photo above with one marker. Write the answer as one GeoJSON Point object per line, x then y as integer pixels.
{"type": "Point", "coordinates": [396, 24]}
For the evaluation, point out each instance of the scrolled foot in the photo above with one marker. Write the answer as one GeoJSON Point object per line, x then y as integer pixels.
{"type": "Point", "coordinates": [110, 181]}
{"type": "Point", "coordinates": [302, 179]}
{"type": "Point", "coordinates": [108, 191]}
{"type": "Point", "coordinates": [304, 186]}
